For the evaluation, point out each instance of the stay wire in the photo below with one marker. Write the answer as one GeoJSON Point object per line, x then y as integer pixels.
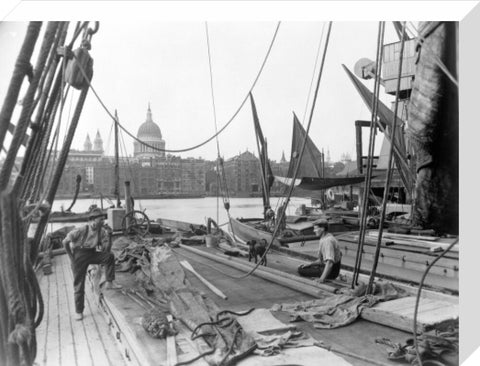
{"type": "Point", "coordinates": [213, 103]}
{"type": "Point", "coordinates": [371, 149]}
{"type": "Point", "coordinates": [297, 166]}
{"type": "Point", "coordinates": [211, 87]}
{"type": "Point", "coordinates": [313, 73]}
{"type": "Point", "coordinates": [389, 166]}
{"type": "Point", "coordinates": [210, 138]}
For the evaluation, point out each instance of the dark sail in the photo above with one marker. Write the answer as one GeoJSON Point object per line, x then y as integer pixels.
{"type": "Point", "coordinates": [309, 176]}
{"type": "Point", "coordinates": [311, 164]}
{"type": "Point", "coordinates": [267, 175]}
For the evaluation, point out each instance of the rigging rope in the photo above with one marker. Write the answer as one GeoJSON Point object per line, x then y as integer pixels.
{"type": "Point", "coordinates": [35, 153]}
{"type": "Point", "coordinates": [297, 166]}
{"type": "Point", "coordinates": [39, 166]}
{"type": "Point", "coordinates": [389, 167]}
{"type": "Point", "coordinates": [24, 119]}
{"type": "Point", "coordinates": [17, 318]}
{"type": "Point", "coordinates": [313, 73]}
{"type": "Point", "coordinates": [213, 104]}
{"type": "Point", "coordinates": [22, 68]}
{"type": "Point", "coordinates": [52, 189]}
{"type": "Point", "coordinates": [210, 138]}
{"type": "Point", "coordinates": [57, 97]}
{"type": "Point", "coordinates": [371, 148]}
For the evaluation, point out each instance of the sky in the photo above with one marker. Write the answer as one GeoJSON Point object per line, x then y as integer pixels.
{"type": "Point", "coordinates": [166, 64]}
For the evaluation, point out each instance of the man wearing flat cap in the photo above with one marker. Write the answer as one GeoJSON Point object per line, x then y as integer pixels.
{"type": "Point", "coordinates": [327, 266]}
{"type": "Point", "coordinates": [87, 245]}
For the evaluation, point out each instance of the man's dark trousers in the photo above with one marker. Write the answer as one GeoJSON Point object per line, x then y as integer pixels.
{"type": "Point", "coordinates": [316, 270]}
{"type": "Point", "coordinates": [82, 258]}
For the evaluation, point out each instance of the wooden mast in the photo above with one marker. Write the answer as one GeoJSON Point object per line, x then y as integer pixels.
{"type": "Point", "coordinates": [117, 170]}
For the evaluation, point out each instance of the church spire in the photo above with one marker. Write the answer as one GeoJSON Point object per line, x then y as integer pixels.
{"type": "Point", "coordinates": [149, 114]}
{"type": "Point", "coordinates": [87, 145]}
{"type": "Point", "coordinates": [98, 142]}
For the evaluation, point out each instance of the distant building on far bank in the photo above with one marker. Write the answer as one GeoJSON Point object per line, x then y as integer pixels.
{"type": "Point", "coordinates": [151, 172]}
{"type": "Point", "coordinates": [242, 174]}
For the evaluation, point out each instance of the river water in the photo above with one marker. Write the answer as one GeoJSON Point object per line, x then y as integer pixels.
{"type": "Point", "coordinates": [194, 210]}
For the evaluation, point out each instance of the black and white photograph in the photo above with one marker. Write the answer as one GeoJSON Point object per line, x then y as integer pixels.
{"type": "Point", "coordinates": [237, 183]}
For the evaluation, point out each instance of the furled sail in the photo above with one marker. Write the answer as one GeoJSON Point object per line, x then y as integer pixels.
{"type": "Point", "coordinates": [386, 117]}
{"type": "Point", "coordinates": [433, 128]}
{"type": "Point", "coordinates": [267, 175]}
{"type": "Point", "coordinates": [316, 184]}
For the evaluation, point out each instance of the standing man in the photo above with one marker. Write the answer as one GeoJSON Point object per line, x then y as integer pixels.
{"type": "Point", "coordinates": [85, 246]}
{"type": "Point", "coordinates": [327, 266]}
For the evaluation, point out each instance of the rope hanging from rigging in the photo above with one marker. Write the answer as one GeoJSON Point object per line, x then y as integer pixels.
{"type": "Point", "coordinates": [210, 138]}
{"type": "Point", "coordinates": [221, 176]}
{"type": "Point", "coordinates": [302, 150]}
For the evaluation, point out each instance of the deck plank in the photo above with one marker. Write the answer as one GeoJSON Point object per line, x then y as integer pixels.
{"type": "Point", "coordinates": [83, 353]}
{"type": "Point", "coordinates": [67, 341]}
{"type": "Point", "coordinates": [61, 340]}
{"type": "Point", "coordinates": [42, 329]}
{"type": "Point", "coordinates": [53, 347]}
{"type": "Point", "coordinates": [101, 347]}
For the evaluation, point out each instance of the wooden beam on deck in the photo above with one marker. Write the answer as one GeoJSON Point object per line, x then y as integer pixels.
{"type": "Point", "coordinates": [310, 289]}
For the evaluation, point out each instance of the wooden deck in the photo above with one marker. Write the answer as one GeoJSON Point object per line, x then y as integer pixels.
{"type": "Point", "coordinates": [62, 340]}
{"type": "Point", "coordinates": [357, 339]}
{"type": "Point", "coordinates": [112, 333]}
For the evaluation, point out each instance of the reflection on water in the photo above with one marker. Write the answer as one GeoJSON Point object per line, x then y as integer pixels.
{"type": "Point", "coordinates": [194, 210]}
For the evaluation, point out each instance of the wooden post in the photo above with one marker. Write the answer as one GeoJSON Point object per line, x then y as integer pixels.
{"type": "Point", "coordinates": [358, 130]}
{"type": "Point", "coordinates": [128, 202]}
{"type": "Point", "coordinates": [128, 197]}
{"type": "Point", "coordinates": [324, 201]}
